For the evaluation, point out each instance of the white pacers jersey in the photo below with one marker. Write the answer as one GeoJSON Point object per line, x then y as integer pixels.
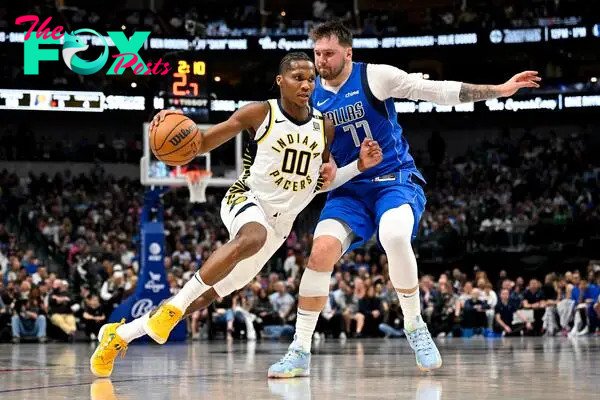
{"type": "Point", "coordinates": [282, 164]}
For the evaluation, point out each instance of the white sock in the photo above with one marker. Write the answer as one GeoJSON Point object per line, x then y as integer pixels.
{"type": "Point", "coordinates": [193, 289]}
{"type": "Point", "coordinates": [306, 321]}
{"type": "Point", "coordinates": [411, 305]}
{"type": "Point", "coordinates": [133, 329]}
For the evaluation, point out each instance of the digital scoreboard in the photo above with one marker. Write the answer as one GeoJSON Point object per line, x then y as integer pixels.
{"type": "Point", "coordinates": [188, 79]}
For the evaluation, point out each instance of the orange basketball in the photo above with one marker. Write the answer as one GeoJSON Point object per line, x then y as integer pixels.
{"type": "Point", "coordinates": [176, 140]}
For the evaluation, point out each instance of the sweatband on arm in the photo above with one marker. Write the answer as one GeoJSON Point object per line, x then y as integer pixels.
{"type": "Point", "coordinates": [343, 175]}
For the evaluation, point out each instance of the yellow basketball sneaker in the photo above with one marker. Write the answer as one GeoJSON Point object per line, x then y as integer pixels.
{"type": "Point", "coordinates": [111, 344]}
{"type": "Point", "coordinates": [160, 325]}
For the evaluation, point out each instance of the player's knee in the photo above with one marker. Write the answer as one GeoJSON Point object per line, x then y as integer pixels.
{"type": "Point", "coordinates": [325, 252]}
{"type": "Point", "coordinates": [395, 228]}
{"type": "Point", "coordinates": [251, 238]}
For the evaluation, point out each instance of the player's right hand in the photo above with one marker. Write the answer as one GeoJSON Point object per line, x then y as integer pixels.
{"type": "Point", "coordinates": [370, 154]}
{"type": "Point", "coordinates": [160, 117]}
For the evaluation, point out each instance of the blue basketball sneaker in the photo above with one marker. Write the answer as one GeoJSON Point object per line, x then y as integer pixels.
{"type": "Point", "coordinates": [426, 353]}
{"type": "Point", "coordinates": [295, 363]}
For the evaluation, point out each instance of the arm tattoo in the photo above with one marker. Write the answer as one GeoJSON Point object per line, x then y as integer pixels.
{"type": "Point", "coordinates": [469, 92]}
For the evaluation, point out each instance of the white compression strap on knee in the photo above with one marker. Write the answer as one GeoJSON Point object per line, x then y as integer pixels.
{"type": "Point", "coordinates": [337, 229]}
{"type": "Point", "coordinates": [395, 232]}
{"type": "Point", "coordinates": [314, 283]}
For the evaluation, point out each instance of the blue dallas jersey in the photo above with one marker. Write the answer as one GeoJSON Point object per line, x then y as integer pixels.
{"type": "Point", "coordinates": [357, 114]}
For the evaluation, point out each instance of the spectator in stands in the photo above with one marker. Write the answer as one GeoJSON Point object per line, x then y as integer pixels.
{"type": "Point", "coordinates": [488, 295]}
{"type": "Point", "coordinates": [4, 311]}
{"type": "Point", "coordinates": [199, 320]}
{"type": "Point", "coordinates": [10, 296]}
{"type": "Point", "coordinates": [283, 302]}
{"type": "Point", "coordinates": [444, 308]}
{"type": "Point", "coordinates": [458, 281]}
{"type": "Point", "coordinates": [370, 309]}
{"type": "Point", "coordinates": [29, 319]}
{"type": "Point", "coordinates": [464, 295]}
{"type": "Point", "coordinates": [40, 275]}
{"type": "Point", "coordinates": [585, 315]}
{"type": "Point", "coordinates": [241, 309]}
{"type": "Point", "coordinates": [513, 298]}
{"type": "Point", "coordinates": [113, 290]}
{"type": "Point", "coordinates": [61, 314]}
{"type": "Point", "coordinates": [330, 320]}
{"type": "Point", "coordinates": [427, 294]}
{"type": "Point", "coordinates": [290, 265]}
{"type": "Point", "coordinates": [393, 320]}
{"type": "Point", "coordinates": [533, 299]}
{"type": "Point", "coordinates": [505, 311]}
{"type": "Point", "coordinates": [264, 310]}
{"type": "Point", "coordinates": [93, 316]}
{"type": "Point", "coordinates": [223, 314]}
{"type": "Point", "coordinates": [15, 268]}
{"type": "Point", "coordinates": [474, 316]}
{"type": "Point", "coordinates": [551, 296]}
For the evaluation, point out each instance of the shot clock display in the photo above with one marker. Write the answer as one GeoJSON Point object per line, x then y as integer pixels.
{"type": "Point", "coordinates": [189, 79]}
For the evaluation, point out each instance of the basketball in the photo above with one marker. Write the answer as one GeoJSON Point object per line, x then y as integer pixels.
{"type": "Point", "coordinates": [176, 140]}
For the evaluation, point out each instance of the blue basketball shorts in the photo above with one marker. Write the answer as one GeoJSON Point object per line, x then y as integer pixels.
{"type": "Point", "coordinates": [360, 205]}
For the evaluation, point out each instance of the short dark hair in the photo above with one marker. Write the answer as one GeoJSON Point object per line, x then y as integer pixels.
{"type": "Point", "coordinates": [332, 28]}
{"type": "Point", "coordinates": [289, 58]}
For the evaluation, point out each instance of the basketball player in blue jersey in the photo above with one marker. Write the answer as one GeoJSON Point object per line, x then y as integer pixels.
{"type": "Point", "coordinates": [388, 199]}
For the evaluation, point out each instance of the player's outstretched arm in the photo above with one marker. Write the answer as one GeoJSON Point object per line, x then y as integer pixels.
{"type": "Point", "coordinates": [386, 81]}
{"type": "Point", "coordinates": [527, 79]}
{"type": "Point", "coordinates": [249, 117]}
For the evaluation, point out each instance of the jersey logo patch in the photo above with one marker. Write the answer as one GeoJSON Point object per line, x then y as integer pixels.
{"type": "Point", "coordinates": [353, 93]}
{"type": "Point", "coordinates": [316, 126]}
{"type": "Point", "coordinates": [320, 103]}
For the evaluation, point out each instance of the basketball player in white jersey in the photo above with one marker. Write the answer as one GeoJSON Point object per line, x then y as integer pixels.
{"type": "Point", "coordinates": [282, 173]}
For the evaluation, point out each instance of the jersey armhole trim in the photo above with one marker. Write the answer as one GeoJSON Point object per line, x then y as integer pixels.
{"type": "Point", "coordinates": [269, 126]}
{"type": "Point", "coordinates": [375, 102]}
{"type": "Point", "coordinates": [324, 135]}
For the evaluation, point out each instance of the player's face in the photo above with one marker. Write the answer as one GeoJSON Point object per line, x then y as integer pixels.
{"type": "Point", "coordinates": [331, 57]}
{"type": "Point", "coordinates": [298, 83]}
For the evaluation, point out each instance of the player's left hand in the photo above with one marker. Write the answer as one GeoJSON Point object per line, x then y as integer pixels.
{"type": "Point", "coordinates": [328, 172]}
{"type": "Point", "coordinates": [526, 79]}
{"type": "Point", "coordinates": [370, 154]}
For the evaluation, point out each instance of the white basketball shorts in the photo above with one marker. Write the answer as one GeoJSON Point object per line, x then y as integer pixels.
{"type": "Point", "coordinates": [236, 212]}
